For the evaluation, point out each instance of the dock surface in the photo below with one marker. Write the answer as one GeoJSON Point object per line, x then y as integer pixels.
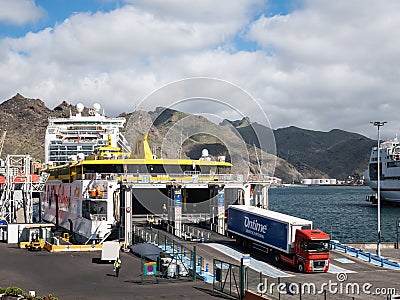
{"type": "Point", "coordinates": [74, 275]}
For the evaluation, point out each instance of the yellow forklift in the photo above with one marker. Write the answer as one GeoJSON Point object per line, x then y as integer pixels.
{"type": "Point", "coordinates": [34, 236]}
{"type": "Point", "coordinates": [35, 244]}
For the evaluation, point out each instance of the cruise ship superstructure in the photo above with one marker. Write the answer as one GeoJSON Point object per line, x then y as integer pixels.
{"type": "Point", "coordinates": [67, 137]}
{"type": "Point", "coordinates": [389, 154]}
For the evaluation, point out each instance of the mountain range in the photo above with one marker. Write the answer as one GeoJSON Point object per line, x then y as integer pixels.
{"type": "Point", "coordinates": [300, 153]}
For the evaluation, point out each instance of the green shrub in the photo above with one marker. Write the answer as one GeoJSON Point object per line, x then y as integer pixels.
{"type": "Point", "coordinates": [16, 291]}
{"type": "Point", "coordinates": [13, 291]}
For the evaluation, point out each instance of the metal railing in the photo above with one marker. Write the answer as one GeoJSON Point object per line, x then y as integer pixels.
{"type": "Point", "coordinates": [166, 177]}
{"type": "Point", "coordinates": [366, 256]}
{"type": "Point", "coordinates": [185, 253]}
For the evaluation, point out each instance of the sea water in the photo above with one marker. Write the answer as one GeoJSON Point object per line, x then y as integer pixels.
{"type": "Point", "coordinates": [340, 211]}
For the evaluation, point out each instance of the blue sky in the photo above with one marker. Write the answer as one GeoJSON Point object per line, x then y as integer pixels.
{"type": "Point", "coordinates": [56, 11]}
{"type": "Point", "coordinates": [314, 64]}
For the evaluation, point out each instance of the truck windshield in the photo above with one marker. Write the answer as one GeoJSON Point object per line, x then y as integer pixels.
{"type": "Point", "coordinates": [318, 246]}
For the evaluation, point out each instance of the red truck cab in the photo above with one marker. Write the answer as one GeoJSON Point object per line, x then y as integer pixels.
{"type": "Point", "coordinates": [311, 251]}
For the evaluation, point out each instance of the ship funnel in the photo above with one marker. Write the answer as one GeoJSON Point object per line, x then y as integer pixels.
{"type": "Point", "coordinates": [142, 149]}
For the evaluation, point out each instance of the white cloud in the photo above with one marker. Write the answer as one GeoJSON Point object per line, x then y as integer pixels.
{"type": "Point", "coordinates": [19, 12]}
{"type": "Point", "coordinates": [203, 11]}
{"type": "Point", "coordinates": [128, 35]}
{"type": "Point", "coordinates": [329, 64]}
{"type": "Point", "coordinates": [339, 59]}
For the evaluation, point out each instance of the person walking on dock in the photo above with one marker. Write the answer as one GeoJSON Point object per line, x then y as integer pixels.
{"type": "Point", "coordinates": [117, 266]}
{"type": "Point", "coordinates": [151, 221]}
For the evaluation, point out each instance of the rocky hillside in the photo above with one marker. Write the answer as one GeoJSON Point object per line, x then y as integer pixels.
{"type": "Point", "coordinates": [301, 153]}
{"type": "Point", "coordinates": [315, 154]}
{"type": "Point", "coordinates": [337, 153]}
{"type": "Point", "coordinates": [25, 121]}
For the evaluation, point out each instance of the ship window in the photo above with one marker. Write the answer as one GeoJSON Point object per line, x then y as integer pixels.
{"type": "Point", "coordinates": [137, 169]}
{"type": "Point", "coordinates": [373, 171]}
{"type": "Point", "coordinates": [223, 170]}
{"type": "Point", "coordinates": [392, 164]}
{"type": "Point", "coordinates": [156, 169]}
{"type": "Point", "coordinates": [94, 210]}
{"type": "Point", "coordinates": [112, 168]}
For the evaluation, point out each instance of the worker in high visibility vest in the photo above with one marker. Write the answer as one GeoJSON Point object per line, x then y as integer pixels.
{"type": "Point", "coordinates": [151, 221]}
{"type": "Point", "coordinates": [117, 266]}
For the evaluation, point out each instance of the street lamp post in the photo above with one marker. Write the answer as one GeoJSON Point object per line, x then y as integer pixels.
{"type": "Point", "coordinates": [378, 245]}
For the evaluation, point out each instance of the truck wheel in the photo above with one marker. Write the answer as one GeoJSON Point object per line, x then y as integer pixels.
{"type": "Point", "coordinates": [238, 240]}
{"type": "Point", "coordinates": [300, 267]}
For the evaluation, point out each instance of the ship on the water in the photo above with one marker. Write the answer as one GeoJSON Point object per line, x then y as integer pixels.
{"type": "Point", "coordinates": [85, 197]}
{"type": "Point", "coordinates": [389, 155]}
{"type": "Point", "coordinates": [67, 137]}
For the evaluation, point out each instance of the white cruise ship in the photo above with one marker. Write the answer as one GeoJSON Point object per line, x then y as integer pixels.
{"type": "Point", "coordinates": [67, 137]}
{"type": "Point", "coordinates": [390, 171]}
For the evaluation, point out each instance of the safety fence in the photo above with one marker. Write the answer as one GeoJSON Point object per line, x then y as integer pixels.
{"type": "Point", "coordinates": [366, 256]}
{"type": "Point", "coordinates": [181, 255]}
{"type": "Point", "coordinates": [228, 278]}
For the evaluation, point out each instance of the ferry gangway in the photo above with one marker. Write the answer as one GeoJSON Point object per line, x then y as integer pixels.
{"type": "Point", "coordinates": [190, 230]}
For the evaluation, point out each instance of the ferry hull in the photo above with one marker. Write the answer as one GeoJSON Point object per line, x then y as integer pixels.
{"type": "Point", "coordinates": [70, 206]}
{"type": "Point", "coordinates": [389, 190]}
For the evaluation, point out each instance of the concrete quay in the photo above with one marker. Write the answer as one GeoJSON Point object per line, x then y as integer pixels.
{"type": "Point", "coordinates": [77, 275]}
